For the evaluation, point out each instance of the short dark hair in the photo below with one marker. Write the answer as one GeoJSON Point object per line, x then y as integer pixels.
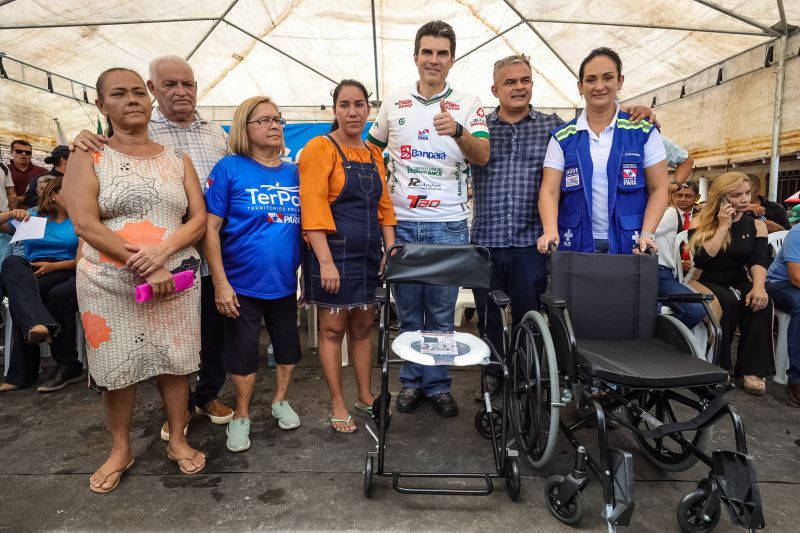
{"type": "Point", "coordinates": [602, 51]}
{"type": "Point", "coordinates": [689, 184]}
{"type": "Point", "coordinates": [436, 28]}
{"type": "Point", "coordinates": [347, 83]}
{"type": "Point", "coordinates": [20, 141]}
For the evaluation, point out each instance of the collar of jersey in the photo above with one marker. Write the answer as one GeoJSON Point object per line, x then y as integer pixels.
{"type": "Point", "coordinates": [435, 98]}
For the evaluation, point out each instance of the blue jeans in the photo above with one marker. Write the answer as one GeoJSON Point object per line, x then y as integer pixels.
{"type": "Point", "coordinates": [689, 314]}
{"type": "Point", "coordinates": [787, 298]}
{"type": "Point", "coordinates": [427, 307]}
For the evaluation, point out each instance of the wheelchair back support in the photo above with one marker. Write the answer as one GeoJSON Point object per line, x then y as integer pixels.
{"type": "Point", "coordinates": [457, 265]}
{"type": "Point", "coordinates": [609, 297]}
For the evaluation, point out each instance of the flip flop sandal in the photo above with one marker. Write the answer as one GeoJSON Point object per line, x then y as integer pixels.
{"type": "Point", "coordinates": [190, 459]}
{"type": "Point", "coordinates": [100, 489]}
{"type": "Point", "coordinates": [342, 421]}
{"type": "Point", "coordinates": [364, 408]}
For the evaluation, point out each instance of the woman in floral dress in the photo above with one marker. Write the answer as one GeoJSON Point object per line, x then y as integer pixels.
{"type": "Point", "coordinates": [139, 208]}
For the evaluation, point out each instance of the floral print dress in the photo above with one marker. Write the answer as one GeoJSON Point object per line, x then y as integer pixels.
{"type": "Point", "coordinates": [141, 199]}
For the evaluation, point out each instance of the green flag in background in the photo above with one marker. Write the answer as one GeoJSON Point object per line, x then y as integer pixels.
{"type": "Point", "coordinates": [99, 127]}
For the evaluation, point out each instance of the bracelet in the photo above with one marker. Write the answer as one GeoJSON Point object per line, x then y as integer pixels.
{"type": "Point", "coordinates": [647, 235]}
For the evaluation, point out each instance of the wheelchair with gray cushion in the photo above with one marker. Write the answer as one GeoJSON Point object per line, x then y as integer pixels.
{"type": "Point", "coordinates": [445, 265]}
{"type": "Point", "coordinates": [601, 341]}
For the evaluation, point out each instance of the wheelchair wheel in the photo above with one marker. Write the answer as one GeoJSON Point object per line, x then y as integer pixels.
{"type": "Point", "coordinates": [665, 452]}
{"type": "Point", "coordinates": [368, 475]}
{"type": "Point", "coordinates": [513, 478]}
{"type": "Point", "coordinates": [571, 513]}
{"type": "Point", "coordinates": [690, 512]}
{"type": "Point", "coordinates": [533, 386]}
{"type": "Point", "coordinates": [485, 426]}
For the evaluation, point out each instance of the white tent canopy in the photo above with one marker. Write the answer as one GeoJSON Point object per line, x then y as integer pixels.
{"type": "Point", "coordinates": [295, 50]}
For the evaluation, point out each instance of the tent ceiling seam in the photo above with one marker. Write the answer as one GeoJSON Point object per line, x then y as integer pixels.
{"type": "Point", "coordinates": [211, 29]}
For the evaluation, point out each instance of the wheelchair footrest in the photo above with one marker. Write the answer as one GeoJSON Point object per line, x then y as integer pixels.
{"type": "Point", "coordinates": [705, 416]}
{"type": "Point", "coordinates": [621, 463]}
{"type": "Point", "coordinates": [485, 490]}
{"type": "Point", "coordinates": [734, 475]}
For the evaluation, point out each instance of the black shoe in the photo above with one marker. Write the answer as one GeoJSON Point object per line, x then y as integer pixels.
{"type": "Point", "coordinates": [444, 404]}
{"type": "Point", "coordinates": [408, 399]}
{"type": "Point", "coordinates": [62, 377]}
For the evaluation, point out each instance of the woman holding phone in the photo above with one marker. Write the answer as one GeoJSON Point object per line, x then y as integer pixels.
{"type": "Point", "coordinates": [139, 208]}
{"type": "Point", "coordinates": [732, 251]}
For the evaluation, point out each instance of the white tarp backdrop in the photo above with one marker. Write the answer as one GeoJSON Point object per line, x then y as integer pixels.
{"type": "Point", "coordinates": [240, 48]}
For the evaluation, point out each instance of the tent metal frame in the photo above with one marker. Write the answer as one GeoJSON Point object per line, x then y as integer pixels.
{"type": "Point", "coordinates": [779, 31]}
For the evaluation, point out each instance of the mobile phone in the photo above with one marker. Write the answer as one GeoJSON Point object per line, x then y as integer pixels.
{"type": "Point", "coordinates": [724, 202]}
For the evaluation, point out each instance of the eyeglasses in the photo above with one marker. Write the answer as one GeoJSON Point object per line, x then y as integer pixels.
{"type": "Point", "coordinates": [266, 122]}
{"type": "Point", "coordinates": [688, 185]}
{"type": "Point", "coordinates": [20, 152]}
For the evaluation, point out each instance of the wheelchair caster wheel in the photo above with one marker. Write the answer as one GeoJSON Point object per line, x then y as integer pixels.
{"type": "Point", "coordinates": [690, 512]}
{"type": "Point", "coordinates": [513, 480]}
{"type": "Point", "coordinates": [376, 412]}
{"type": "Point", "coordinates": [570, 513]}
{"type": "Point", "coordinates": [368, 476]}
{"type": "Point", "coordinates": [485, 426]}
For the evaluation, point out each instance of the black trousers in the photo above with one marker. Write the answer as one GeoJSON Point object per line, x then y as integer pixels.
{"type": "Point", "coordinates": [754, 355]}
{"type": "Point", "coordinates": [50, 300]}
{"type": "Point", "coordinates": [522, 274]}
{"type": "Point", "coordinates": [211, 376]}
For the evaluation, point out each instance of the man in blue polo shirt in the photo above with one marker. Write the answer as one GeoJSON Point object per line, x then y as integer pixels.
{"type": "Point", "coordinates": [783, 285]}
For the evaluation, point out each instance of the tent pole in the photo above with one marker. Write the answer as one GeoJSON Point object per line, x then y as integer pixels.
{"type": "Point", "coordinates": [462, 56]}
{"type": "Point", "coordinates": [285, 54]}
{"type": "Point", "coordinates": [375, 53]}
{"type": "Point", "coordinates": [641, 25]}
{"type": "Point", "coordinates": [212, 28]}
{"type": "Point", "coordinates": [775, 160]}
{"type": "Point", "coordinates": [737, 16]}
{"type": "Point", "coordinates": [563, 61]}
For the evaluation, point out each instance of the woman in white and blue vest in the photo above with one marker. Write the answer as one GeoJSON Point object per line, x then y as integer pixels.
{"type": "Point", "coordinates": [604, 184]}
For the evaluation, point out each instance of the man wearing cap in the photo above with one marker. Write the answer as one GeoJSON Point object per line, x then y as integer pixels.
{"type": "Point", "coordinates": [23, 171]}
{"type": "Point", "coordinates": [58, 158]}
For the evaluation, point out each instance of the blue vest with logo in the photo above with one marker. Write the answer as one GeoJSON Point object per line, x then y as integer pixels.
{"type": "Point", "coordinates": [627, 194]}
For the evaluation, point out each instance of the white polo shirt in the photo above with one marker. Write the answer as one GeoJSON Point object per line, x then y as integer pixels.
{"type": "Point", "coordinates": [600, 149]}
{"type": "Point", "coordinates": [426, 172]}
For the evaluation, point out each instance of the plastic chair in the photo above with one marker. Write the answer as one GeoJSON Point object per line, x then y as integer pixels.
{"type": "Point", "coordinates": [775, 241]}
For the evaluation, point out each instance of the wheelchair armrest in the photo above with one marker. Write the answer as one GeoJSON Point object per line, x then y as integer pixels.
{"type": "Point", "coordinates": [381, 294]}
{"type": "Point", "coordinates": [500, 298]}
{"type": "Point", "coordinates": [551, 301]}
{"type": "Point", "coordinates": [686, 298]}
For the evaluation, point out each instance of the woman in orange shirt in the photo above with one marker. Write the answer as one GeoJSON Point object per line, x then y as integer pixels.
{"type": "Point", "coordinates": [348, 221]}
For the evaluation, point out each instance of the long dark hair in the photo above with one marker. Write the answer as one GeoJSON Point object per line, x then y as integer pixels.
{"type": "Point", "coordinates": [346, 83]}
{"type": "Point", "coordinates": [100, 86]}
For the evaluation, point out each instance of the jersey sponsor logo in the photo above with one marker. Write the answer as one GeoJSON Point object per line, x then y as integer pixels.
{"type": "Point", "coordinates": [423, 135]}
{"type": "Point", "coordinates": [402, 121]}
{"type": "Point", "coordinates": [428, 171]}
{"type": "Point", "coordinates": [476, 121]}
{"type": "Point", "coordinates": [405, 151]}
{"type": "Point", "coordinates": [421, 200]}
{"type": "Point", "coordinates": [480, 112]}
{"type": "Point", "coordinates": [406, 102]}
{"type": "Point", "coordinates": [413, 182]}
{"type": "Point", "coordinates": [209, 183]}
{"type": "Point", "coordinates": [282, 218]}
{"type": "Point", "coordinates": [275, 196]}
{"type": "Point", "coordinates": [451, 106]}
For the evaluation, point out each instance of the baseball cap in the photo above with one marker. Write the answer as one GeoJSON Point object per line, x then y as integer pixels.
{"type": "Point", "coordinates": [58, 151]}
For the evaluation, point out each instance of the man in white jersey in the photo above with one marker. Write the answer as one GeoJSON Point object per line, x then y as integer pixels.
{"type": "Point", "coordinates": [432, 132]}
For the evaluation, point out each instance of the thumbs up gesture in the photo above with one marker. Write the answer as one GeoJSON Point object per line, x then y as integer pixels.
{"type": "Point", "coordinates": [443, 122]}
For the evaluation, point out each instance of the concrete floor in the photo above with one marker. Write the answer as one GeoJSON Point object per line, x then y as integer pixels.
{"type": "Point", "coordinates": [310, 478]}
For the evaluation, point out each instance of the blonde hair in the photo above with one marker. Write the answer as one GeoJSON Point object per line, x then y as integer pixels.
{"type": "Point", "coordinates": [239, 141]}
{"type": "Point", "coordinates": [707, 220]}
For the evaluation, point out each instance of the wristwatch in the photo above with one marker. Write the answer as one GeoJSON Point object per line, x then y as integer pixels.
{"type": "Point", "coordinates": [459, 131]}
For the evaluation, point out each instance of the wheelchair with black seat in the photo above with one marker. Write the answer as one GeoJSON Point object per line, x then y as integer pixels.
{"type": "Point", "coordinates": [445, 265]}
{"type": "Point", "coordinates": [600, 340]}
